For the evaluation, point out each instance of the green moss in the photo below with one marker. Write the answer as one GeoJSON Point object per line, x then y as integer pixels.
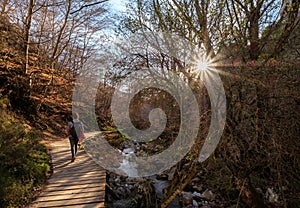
{"type": "Point", "coordinates": [24, 163]}
{"type": "Point", "coordinates": [109, 128]}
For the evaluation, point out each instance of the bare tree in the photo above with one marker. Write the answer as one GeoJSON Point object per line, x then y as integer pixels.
{"type": "Point", "coordinates": [27, 27]}
{"type": "Point", "coordinates": [232, 27]}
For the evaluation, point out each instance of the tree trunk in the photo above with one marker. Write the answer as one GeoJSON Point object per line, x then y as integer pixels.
{"type": "Point", "coordinates": [291, 23]}
{"type": "Point", "coordinates": [254, 39]}
{"type": "Point", "coordinates": [61, 31]}
{"type": "Point", "coordinates": [27, 34]}
{"type": "Point", "coordinates": [202, 11]}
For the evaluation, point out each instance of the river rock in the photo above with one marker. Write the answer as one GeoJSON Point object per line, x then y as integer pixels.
{"type": "Point", "coordinates": [271, 195]}
{"type": "Point", "coordinates": [122, 192]}
{"type": "Point", "coordinates": [195, 204]}
{"type": "Point", "coordinates": [124, 203]}
{"type": "Point", "coordinates": [207, 194]}
{"type": "Point", "coordinates": [196, 194]}
{"type": "Point", "coordinates": [187, 198]}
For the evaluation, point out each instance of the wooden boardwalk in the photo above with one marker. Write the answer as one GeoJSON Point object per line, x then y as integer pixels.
{"type": "Point", "coordinates": [73, 184]}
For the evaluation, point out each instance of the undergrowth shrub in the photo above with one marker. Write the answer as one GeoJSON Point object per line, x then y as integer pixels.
{"type": "Point", "coordinates": [24, 163]}
{"type": "Point", "coordinates": [259, 150]}
{"type": "Point", "coordinates": [256, 163]}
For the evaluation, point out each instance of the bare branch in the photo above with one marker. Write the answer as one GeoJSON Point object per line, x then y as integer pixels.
{"type": "Point", "coordinates": [242, 5]}
{"type": "Point", "coordinates": [88, 5]}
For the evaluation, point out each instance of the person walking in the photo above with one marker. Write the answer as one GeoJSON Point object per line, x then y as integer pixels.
{"type": "Point", "coordinates": [75, 131]}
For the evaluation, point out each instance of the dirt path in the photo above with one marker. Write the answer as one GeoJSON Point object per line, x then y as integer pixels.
{"type": "Point", "coordinates": [73, 184]}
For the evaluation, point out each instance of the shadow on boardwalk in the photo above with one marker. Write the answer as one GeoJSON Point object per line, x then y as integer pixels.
{"type": "Point", "coordinates": [73, 184]}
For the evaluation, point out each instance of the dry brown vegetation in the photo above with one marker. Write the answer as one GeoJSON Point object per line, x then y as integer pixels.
{"type": "Point", "coordinates": [259, 149]}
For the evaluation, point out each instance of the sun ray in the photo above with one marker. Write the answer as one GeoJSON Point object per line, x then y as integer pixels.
{"type": "Point", "coordinates": [203, 66]}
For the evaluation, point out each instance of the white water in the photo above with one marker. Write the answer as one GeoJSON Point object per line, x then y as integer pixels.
{"type": "Point", "coordinates": [128, 164]}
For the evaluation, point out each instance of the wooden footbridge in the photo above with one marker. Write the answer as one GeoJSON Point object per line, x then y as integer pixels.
{"type": "Point", "coordinates": [73, 184]}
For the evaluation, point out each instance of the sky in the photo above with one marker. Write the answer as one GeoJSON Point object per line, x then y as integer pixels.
{"type": "Point", "coordinates": [118, 5]}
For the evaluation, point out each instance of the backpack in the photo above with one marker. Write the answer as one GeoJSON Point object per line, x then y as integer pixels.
{"type": "Point", "coordinates": [76, 130]}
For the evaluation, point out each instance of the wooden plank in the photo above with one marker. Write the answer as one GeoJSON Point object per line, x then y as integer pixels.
{"type": "Point", "coordinates": [70, 202]}
{"type": "Point", "coordinates": [76, 177]}
{"type": "Point", "coordinates": [71, 191]}
{"type": "Point", "coordinates": [81, 158]}
{"type": "Point", "coordinates": [78, 184]}
{"type": "Point", "coordinates": [75, 171]}
{"type": "Point", "coordinates": [81, 161]}
{"type": "Point", "coordinates": [60, 153]}
{"type": "Point", "coordinates": [73, 195]}
{"type": "Point", "coordinates": [75, 168]}
{"type": "Point", "coordinates": [97, 205]}
{"type": "Point", "coordinates": [79, 171]}
{"type": "Point", "coordinates": [66, 154]}
{"type": "Point", "coordinates": [76, 162]}
{"type": "Point", "coordinates": [66, 174]}
{"type": "Point", "coordinates": [91, 181]}
{"type": "Point", "coordinates": [74, 187]}
{"type": "Point", "coordinates": [76, 181]}
{"type": "Point", "coordinates": [87, 205]}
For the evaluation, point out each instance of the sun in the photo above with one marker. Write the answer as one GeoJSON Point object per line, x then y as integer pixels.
{"type": "Point", "coordinates": [201, 65]}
